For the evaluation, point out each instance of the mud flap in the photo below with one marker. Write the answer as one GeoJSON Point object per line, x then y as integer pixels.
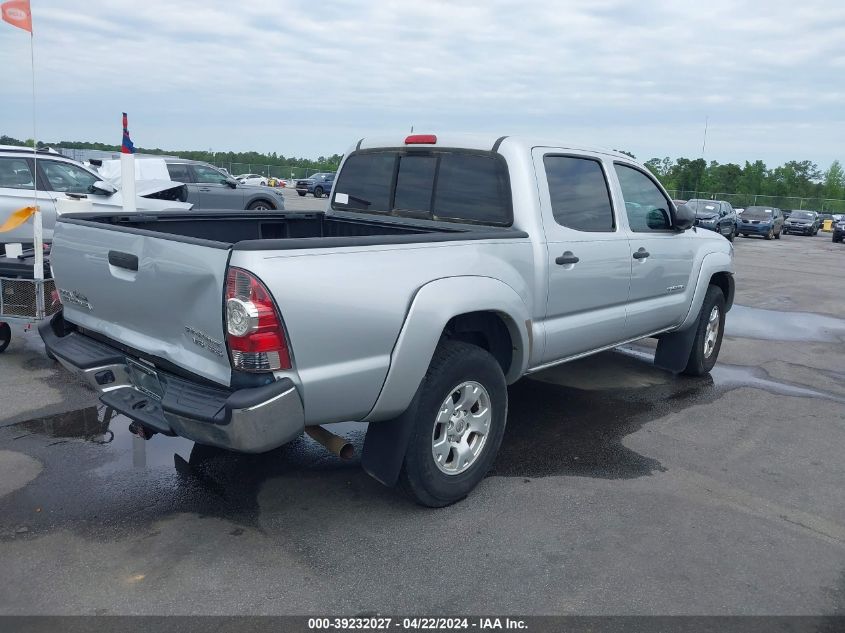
{"type": "Point", "coordinates": [673, 350]}
{"type": "Point", "coordinates": [385, 445]}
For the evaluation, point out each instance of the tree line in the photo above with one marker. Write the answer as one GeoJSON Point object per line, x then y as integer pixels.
{"type": "Point", "coordinates": [322, 163]}
{"type": "Point", "coordinates": [794, 178]}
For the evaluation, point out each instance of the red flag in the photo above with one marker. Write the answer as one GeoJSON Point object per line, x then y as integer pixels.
{"type": "Point", "coordinates": [17, 13]}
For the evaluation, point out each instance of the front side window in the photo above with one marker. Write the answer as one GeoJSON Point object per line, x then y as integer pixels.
{"type": "Point", "coordinates": [578, 193]}
{"type": "Point", "coordinates": [15, 173]}
{"type": "Point", "coordinates": [645, 204]}
{"type": "Point", "coordinates": [67, 178]}
{"type": "Point", "coordinates": [209, 175]}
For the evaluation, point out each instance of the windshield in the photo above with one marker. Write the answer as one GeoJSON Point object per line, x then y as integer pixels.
{"type": "Point", "coordinates": [801, 215]}
{"type": "Point", "coordinates": [758, 213]}
{"type": "Point", "coordinates": [704, 208]}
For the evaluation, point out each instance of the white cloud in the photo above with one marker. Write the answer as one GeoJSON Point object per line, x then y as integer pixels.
{"type": "Point", "coordinates": [306, 78]}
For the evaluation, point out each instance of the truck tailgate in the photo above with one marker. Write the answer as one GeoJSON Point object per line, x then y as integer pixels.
{"type": "Point", "coordinates": [161, 296]}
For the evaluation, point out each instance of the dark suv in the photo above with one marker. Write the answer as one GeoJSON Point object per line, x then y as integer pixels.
{"type": "Point", "coordinates": [802, 223]}
{"type": "Point", "coordinates": [715, 215]}
{"type": "Point", "coordinates": [839, 229]}
{"type": "Point", "coordinates": [765, 221]}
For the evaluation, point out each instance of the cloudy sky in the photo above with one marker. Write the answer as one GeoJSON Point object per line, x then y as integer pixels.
{"type": "Point", "coordinates": [307, 78]}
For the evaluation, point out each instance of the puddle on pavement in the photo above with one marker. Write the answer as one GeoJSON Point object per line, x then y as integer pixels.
{"type": "Point", "coordinates": [570, 420]}
{"type": "Point", "coordinates": [776, 325]}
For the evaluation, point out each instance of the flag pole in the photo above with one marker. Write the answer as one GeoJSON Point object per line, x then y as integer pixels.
{"type": "Point", "coordinates": [38, 229]}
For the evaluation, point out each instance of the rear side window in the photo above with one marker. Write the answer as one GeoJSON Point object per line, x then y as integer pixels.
{"type": "Point", "coordinates": [579, 194]}
{"type": "Point", "coordinates": [179, 172]}
{"type": "Point", "coordinates": [15, 174]}
{"type": "Point", "coordinates": [453, 186]}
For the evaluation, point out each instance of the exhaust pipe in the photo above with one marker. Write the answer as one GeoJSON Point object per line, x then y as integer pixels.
{"type": "Point", "coordinates": [334, 443]}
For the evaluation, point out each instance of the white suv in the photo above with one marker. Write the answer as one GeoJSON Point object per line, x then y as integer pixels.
{"type": "Point", "coordinates": [59, 176]}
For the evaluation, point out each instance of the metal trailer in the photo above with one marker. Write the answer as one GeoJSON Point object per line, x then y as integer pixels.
{"type": "Point", "coordinates": [24, 299]}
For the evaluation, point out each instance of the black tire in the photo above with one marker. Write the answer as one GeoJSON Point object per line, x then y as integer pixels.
{"type": "Point", "coordinates": [777, 235]}
{"type": "Point", "coordinates": [730, 236]}
{"type": "Point", "coordinates": [835, 239]}
{"type": "Point", "coordinates": [454, 363]}
{"type": "Point", "coordinates": [318, 192]}
{"type": "Point", "coordinates": [260, 205]}
{"type": "Point", "coordinates": [301, 193]}
{"type": "Point", "coordinates": [5, 336]}
{"type": "Point", "coordinates": [699, 362]}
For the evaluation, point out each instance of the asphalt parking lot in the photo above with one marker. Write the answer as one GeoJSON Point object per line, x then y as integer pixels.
{"type": "Point", "coordinates": [620, 489]}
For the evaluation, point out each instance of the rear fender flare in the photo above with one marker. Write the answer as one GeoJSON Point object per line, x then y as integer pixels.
{"type": "Point", "coordinates": [394, 414]}
{"type": "Point", "coordinates": [431, 309]}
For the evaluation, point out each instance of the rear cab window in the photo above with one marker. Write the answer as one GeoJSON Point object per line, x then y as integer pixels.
{"type": "Point", "coordinates": [450, 185]}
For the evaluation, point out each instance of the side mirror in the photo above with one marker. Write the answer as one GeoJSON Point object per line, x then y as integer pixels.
{"type": "Point", "coordinates": [232, 182]}
{"type": "Point", "coordinates": [103, 188]}
{"type": "Point", "coordinates": [683, 219]}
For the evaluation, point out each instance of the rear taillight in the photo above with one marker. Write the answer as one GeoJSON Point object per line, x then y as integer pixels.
{"type": "Point", "coordinates": [254, 328]}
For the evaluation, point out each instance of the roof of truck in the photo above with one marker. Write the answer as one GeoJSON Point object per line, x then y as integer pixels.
{"type": "Point", "coordinates": [484, 142]}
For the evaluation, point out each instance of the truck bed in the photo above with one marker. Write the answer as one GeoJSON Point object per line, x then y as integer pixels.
{"type": "Point", "coordinates": [262, 230]}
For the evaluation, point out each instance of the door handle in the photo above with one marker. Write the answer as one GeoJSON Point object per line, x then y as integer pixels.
{"type": "Point", "coordinates": [205, 189]}
{"type": "Point", "coordinates": [567, 258]}
{"type": "Point", "coordinates": [123, 260]}
{"type": "Point", "coordinates": [641, 253]}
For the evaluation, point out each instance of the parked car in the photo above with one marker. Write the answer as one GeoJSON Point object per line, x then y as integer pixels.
{"type": "Point", "coordinates": [765, 221]}
{"type": "Point", "coordinates": [715, 215]}
{"type": "Point", "coordinates": [360, 313]}
{"type": "Point", "coordinates": [839, 229]}
{"type": "Point", "coordinates": [316, 184]}
{"type": "Point", "coordinates": [209, 188]}
{"type": "Point", "coordinates": [59, 177]}
{"type": "Point", "coordinates": [802, 223]}
{"type": "Point", "coordinates": [252, 179]}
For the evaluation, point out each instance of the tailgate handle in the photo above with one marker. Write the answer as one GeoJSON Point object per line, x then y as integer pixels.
{"type": "Point", "coordinates": [123, 260]}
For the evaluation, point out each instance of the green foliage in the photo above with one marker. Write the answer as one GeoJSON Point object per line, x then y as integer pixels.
{"type": "Point", "coordinates": [322, 163]}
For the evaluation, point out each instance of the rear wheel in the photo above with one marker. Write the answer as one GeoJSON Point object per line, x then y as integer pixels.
{"type": "Point", "coordinates": [459, 424]}
{"type": "Point", "coordinates": [5, 336]}
{"type": "Point", "coordinates": [318, 192]}
{"type": "Point", "coordinates": [708, 337]}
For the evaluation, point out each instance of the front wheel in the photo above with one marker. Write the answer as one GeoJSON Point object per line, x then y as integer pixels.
{"type": "Point", "coordinates": [777, 235]}
{"type": "Point", "coordinates": [731, 235]}
{"type": "Point", "coordinates": [770, 235]}
{"type": "Point", "coordinates": [318, 192]}
{"type": "Point", "coordinates": [301, 193]}
{"type": "Point", "coordinates": [5, 336]}
{"type": "Point", "coordinates": [260, 205]}
{"type": "Point", "coordinates": [708, 336]}
{"type": "Point", "coordinates": [458, 426]}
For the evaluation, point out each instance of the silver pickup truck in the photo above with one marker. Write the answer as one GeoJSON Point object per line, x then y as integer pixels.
{"type": "Point", "coordinates": [443, 269]}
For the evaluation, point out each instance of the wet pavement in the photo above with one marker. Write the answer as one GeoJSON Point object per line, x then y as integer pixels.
{"type": "Point", "coordinates": [619, 488]}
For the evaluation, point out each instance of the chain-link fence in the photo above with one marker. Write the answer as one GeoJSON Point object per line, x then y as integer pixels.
{"type": "Point", "coordinates": [27, 298]}
{"type": "Point", "coordinates": [286, 172]}
{"type": "Point", "coordinates": [741, 200]}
